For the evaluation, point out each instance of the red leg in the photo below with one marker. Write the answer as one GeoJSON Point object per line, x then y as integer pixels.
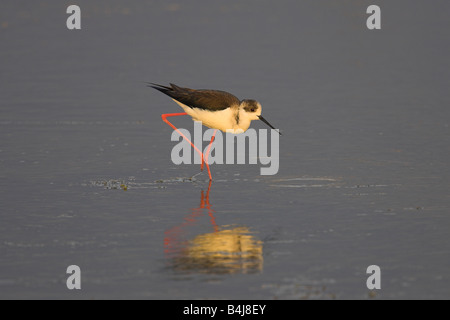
{"type": "Point", "coordinates": [209, 147]}
{"type": "Point", "coordinates": [164, 116]}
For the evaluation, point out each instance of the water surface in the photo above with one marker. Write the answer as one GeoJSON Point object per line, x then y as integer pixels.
{"type": "Point", "coordinates": [86, 176]}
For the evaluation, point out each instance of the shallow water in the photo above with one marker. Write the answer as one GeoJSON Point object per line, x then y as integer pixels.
{"type": "Point", "coordinates": [85, 169]}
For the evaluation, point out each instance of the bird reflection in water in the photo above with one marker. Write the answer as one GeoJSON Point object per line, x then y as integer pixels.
{"type": "Point", "coordinates": [225, 250]}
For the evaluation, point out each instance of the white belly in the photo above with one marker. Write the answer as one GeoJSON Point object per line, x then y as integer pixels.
{"type": "Point", "coordinates": [224, 120]}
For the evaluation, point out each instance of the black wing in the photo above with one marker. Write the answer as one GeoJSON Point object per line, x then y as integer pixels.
{"type": "Point", "coordinates": [202, 99]}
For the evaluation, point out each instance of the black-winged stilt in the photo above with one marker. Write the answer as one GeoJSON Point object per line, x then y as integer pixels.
{"type": "Point", "coordinates": [215, 109]}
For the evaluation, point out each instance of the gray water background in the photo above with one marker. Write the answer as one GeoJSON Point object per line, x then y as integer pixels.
{"type": "Point", "coordinates": [364, 156]}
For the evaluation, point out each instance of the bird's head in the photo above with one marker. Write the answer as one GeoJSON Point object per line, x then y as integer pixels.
{"type": "Point", "coordinates": [251, 108]}
{"type": "Point", "coordinates": [252, 111]}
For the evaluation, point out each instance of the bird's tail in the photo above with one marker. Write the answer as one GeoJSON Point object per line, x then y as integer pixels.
{"type": "Point", "coordinates": [162, 88]}
{"type": "Point", "coordinates": [159, 87]}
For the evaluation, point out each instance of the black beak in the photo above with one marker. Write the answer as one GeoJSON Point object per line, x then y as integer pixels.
{"type": "Point", "coordinates": [266, 122]}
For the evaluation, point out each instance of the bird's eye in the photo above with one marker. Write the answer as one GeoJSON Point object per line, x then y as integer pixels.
{"type": "Point", "coordinates": [252, 110]}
